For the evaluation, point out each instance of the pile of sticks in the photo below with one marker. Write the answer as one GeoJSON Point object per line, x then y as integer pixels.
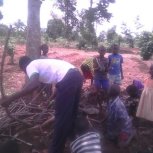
{"type": "Point", "coordinates": [21, 117]}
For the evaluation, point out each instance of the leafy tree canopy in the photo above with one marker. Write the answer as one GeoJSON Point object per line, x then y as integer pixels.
{"type": "Point", "coordinates": [55, 28]}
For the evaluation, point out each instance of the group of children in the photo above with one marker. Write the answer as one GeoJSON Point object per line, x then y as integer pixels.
{"type": "Point", "coordinates": [104, 71]}
{"type": "Point", "coordinates": [106, 74]}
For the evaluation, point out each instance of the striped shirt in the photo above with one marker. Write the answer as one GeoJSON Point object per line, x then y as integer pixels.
{"type": "Point", "coordinates": [87, 143]}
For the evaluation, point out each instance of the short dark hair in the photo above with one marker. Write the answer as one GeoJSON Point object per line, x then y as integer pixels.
{"type": "Point", "coordinates": [44, 47]}
{"type": "Point", "coordinates": [115, 47]}
{"type": "Point", "coordinates": [23, 62]}
{"type": "Point", "coordinates": [114, 90]}
{"type": "Point", "coordinates": [101, 49]}
{"type": "Point", "coordinates": [132, 91]}
{"type": "Point", "coordinates": [85, 68]}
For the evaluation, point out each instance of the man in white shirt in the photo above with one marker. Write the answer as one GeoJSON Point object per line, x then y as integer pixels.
{"type": "Point", "coordinates": [68, 81]}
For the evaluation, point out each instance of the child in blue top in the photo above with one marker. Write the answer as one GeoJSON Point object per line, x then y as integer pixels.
{"type": "Point", "coordinates": [115, 65]}
{"type": "Point", "coordinates": [119, 128]}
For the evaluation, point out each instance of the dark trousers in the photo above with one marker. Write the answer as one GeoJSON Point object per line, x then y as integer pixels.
{"type": "Point", "coordinates": [66, 106]}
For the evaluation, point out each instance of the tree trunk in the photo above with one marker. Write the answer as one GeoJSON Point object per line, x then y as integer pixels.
{"type": "Point", "coordinates": [33, 29]}
{"type": "Point", "coordinates": [91, 2]}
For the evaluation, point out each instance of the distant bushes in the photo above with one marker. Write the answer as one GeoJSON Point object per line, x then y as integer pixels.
{"type": "Point", "coordinates": [145, 43]}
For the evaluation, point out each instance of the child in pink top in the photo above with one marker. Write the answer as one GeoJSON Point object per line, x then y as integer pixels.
{"type": "Point", "coordinates": [145, 107]}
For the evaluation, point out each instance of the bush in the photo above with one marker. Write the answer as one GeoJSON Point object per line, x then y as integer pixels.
{"type": "Point", "coordinates": [147, 50]}
{"type": "Point", "coordinates": [145, 42]}
{"type": "Point", "coordinates": [81, 44]}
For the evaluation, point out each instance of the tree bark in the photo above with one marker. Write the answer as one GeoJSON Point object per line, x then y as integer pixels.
{"type": "Point", "coordinates": [91, 2]}
{"type": "Point", "coordinates": [3, 61]}
{"type": "Point", "coordinates": [33, 29]}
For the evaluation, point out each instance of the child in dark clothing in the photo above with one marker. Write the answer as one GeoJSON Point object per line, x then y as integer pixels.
{"type": "Point", "coordinates": [100, 65]}
{"type": "Point", "coordinates": [118, 123]}
{"type": "Point", "coordinates": [134, 91]}
{"type": "Point", "coordinates": [133, 99]}
{"type": "Point", "coordinates": [44, 50]}
{"type": "Point", "coordinates": [100, 79]}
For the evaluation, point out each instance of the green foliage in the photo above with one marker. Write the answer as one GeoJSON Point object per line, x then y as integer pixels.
{"type": "Point", "coordinates": [3, 33]}
{"type": "Point", "coordinates": [1, 4]}
{"type": "Point", "coordinates": [70, 19]}
{"type": "Point", "coordinates": [82, 44]}
{"type": "Point", "coordinates": [102, 36]}
{"type": "Point", "coordinates": [55, 28]}
{"type": "Point", "coordinates": [144, 38]}
{"type": "Point", "coordinates": [88, 34]}
{"type": "Point", "coordinates": [19, 26]}
{"type": "Point", "coordinates": [99, 13]}
{"type": "Point", "coordinates": [112, 36]}
{"type": "Point", "coordinates": [19, 32]}
{"type": "Point", "coordinates": [145, 42]}
{"type": "Point", "coordinates": [129, 38]}
{"type": "Point", "coordinates": [147, 50]}
{"type": "Point", "coordinates": [17, 36]}
{"type": "Point", "coordinates": [11, 47]}
{"type": "Point", "coordinates": [89, 17]}
{"type": "Point", "coordinates": [3, 30]}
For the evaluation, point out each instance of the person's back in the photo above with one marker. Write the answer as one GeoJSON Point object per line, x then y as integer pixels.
{"type": "Point", "coordinates": [87, 69]}
{"type": "Point", "coordinates": [49, 69]}
{"type": "Point", "coordinates": [119, 124]}
{"type": "Point", "coordinates": [86, 140]}
{"type": "Point", "coordinates": [115, 65]}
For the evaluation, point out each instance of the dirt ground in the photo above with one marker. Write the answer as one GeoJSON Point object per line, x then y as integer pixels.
{"type": "Point", "coordinates": [133, 68]}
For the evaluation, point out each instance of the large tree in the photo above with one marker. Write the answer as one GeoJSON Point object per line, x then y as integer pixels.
{"type": "Point", "coordinates": [55, 28]}
{"type": "Point", "coordinates": [68, 7]}
{"type": "Point", "coordinates": [33, 29]}
{"type": "Point", "coordinates": [96, 13]}
{"type": "Point", "coordinates": [128, 35]}
{"type": "Point", "coordinates": [1, 4]}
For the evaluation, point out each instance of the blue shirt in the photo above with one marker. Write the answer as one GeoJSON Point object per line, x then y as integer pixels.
{"type": "Point", "coordinates": [115, 62]}
{"type": "Point", "coordinates": [118, 119]}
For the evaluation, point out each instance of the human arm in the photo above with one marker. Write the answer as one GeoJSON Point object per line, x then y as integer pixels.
{"type": "Point", "coordinates": [53, 95]}
{"type": "Point", "coordinates": [95, 64]}
{"type": "Point", "coordinates": [30, 86]}
{"type": "Point", "coordinates": [107, 65]}
{"type": "Point", "coordinates": [109, 62]}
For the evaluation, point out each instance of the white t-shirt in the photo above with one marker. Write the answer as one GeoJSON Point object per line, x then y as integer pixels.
{"type": "Point", "coordinates": [49, 70]}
